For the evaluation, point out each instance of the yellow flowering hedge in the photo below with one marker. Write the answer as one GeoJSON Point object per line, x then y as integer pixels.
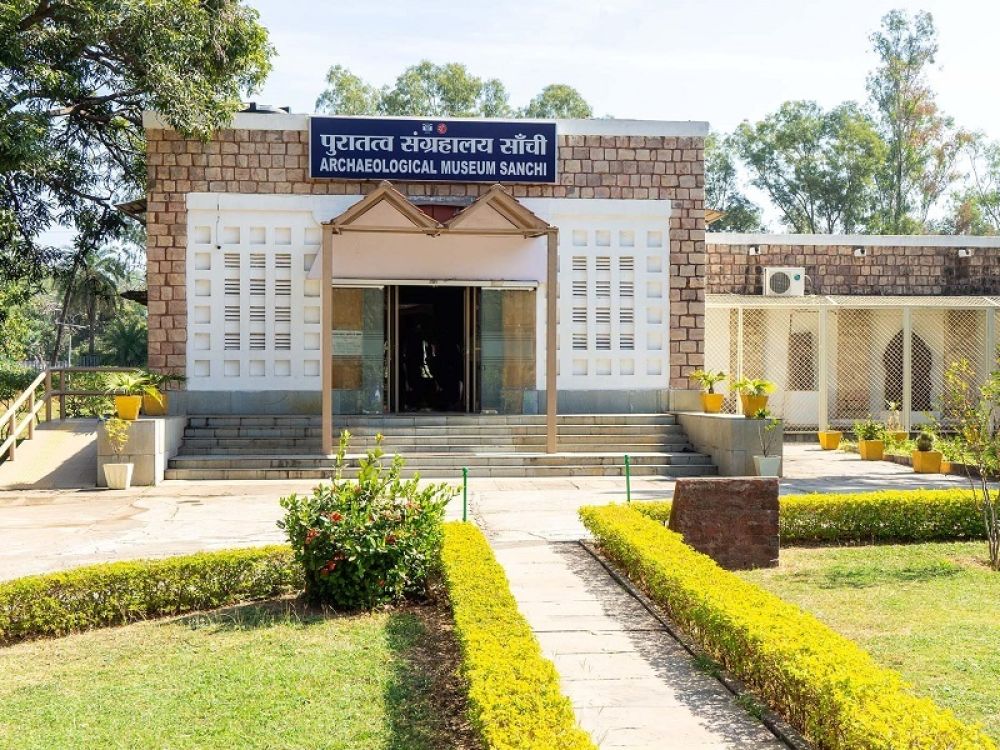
{"type": "Point", "coordinates": [866, 517]}
{"type": "Point", "coordinates": [97, 596]}
{"type": "Point", "coordinates": [514, 694]}
{"type": "Point", "coordinates": [822, 683]}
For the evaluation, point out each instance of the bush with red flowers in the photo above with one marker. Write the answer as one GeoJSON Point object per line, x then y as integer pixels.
{"type": "Point", "coordinates": [366, 541]}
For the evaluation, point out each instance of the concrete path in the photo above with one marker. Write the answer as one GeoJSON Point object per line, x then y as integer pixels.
{"type": "Point", "coordinates": [62, 455]}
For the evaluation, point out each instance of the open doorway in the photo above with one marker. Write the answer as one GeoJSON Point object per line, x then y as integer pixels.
{"type": "Point", "coordinates": [432, 348]}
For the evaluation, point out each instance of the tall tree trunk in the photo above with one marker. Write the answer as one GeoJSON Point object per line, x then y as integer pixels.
{"type": "Point", "coordinates": [67, 299]}
{"type": "Point", "coordinates": [91, 323]}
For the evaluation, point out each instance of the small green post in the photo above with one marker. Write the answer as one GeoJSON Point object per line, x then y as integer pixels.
{"type": "Point", "coordinates": [465, 493]}
{"type": "Point", "coordinates": [628, 479]}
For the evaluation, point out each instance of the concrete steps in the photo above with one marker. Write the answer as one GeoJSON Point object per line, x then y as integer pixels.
{"type": "Point", "coordinates": [438, 446]}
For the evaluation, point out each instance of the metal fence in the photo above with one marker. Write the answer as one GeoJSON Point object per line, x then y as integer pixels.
{"type": "Point", "coordinates": [837, 359]}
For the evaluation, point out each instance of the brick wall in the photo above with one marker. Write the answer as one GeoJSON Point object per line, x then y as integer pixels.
{"type": "Point", "coordinates": [275, 161]}
{"type": "Point", "coordinates": [834, 269]}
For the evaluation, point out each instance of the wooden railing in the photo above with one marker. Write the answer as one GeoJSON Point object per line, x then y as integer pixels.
{"type": "Point", "coordinates": [32, 405]}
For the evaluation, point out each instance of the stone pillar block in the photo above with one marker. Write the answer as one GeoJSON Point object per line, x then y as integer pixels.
{"type": "Point", "coordinates": [732, 520]}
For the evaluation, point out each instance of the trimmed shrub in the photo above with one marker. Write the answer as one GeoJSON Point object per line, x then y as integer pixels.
{"type": "Point", "coordinates": [514, 694]}
{"type": "Point", "coordinates": [867, 517]}
{"type": "Point", "coordinates": [825, 685]}
{"type": "Point", "coordinates": [116, 593]}
{"type": "Point", "coordinates": [369, 541]}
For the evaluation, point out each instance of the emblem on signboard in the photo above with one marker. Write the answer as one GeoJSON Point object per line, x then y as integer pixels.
{"type": "Point", "coordinates": [427, 127]}
{"type": "Point", "coordinates": [442, 128]}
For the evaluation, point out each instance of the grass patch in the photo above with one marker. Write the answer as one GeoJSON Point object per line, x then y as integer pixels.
{"type": "Point", "coordinates": [271, 675]}
{"type": "Point", "coordinates": [929, 611]}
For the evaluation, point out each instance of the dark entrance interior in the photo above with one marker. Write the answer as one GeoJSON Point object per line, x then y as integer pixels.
{"type": "Point", "coordinates": [432, 348]}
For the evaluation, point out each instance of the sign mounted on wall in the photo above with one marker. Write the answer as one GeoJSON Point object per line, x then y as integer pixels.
{"type": "Point", "coordinates": [430, 150]}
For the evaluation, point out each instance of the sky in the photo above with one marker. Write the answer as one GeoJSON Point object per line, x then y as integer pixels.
{"type": "Point", "coordinates": [723, 62]}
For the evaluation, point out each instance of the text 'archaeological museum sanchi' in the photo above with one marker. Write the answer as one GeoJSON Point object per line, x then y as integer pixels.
{"type": "Point", "coordinates": [353, 269]}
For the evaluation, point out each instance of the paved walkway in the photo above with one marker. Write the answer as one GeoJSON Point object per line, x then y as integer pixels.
{"type": "Point", "coordinates": [62, 455]}
{"type": "Point", "coordinates": [630, 683]}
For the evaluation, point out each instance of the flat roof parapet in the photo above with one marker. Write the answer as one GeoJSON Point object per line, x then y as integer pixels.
{"type": "Point", "coordinates": [866, 240]}
{"type": "Point", "coordinates": [605, 126]}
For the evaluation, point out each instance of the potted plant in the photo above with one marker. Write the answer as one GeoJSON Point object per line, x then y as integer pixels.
{"type": "Point", "coordinates": [829, 439]}
{"type": "Point", "coordinates": [753, 394]}
{"type": "Point", "coordinates": [711, 402]}
{"type": "Point", "coordinates": [926, 460]}
{"type": "Point", "coordinates": [871, 439]}
{"type": "Point", "coordinates": [156, 403]}
{"type": "Point", "coordinates": [893, 426]}
{"type": "Point", "coordinates": [766, 464]}
{"type": "Point", "coordinates": [128, 388]}
{"type": "Point", "coordinates": [118, 475]}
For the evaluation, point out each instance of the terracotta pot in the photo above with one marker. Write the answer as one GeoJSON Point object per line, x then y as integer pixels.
{"type": "Point", "coordinates": [711, 403]}
{"type": "Point", "coordinates": [767, 466]}
{"type": "Point", "coordinates": [897, 436]}
{"type": "Point", "coordinates": [128, 407]}
{"type": "Point", "coordinates": [118, 476]}
{"type": "Point", "coordinates": [152, 407]}
{"type": "Point", "coordinates": [829, 440]}
{"type": "Point", "coordinates": [926, 462]}
{"type": "Point", "coordinates": [871, 450]}
{"type": "Point", "coordinates": [752, 404]}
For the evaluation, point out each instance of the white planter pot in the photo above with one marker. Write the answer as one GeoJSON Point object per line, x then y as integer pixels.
{"type": "Point", "coordinates": [118, 476]}
{"type": "Point", "coordinates": [767, 466]}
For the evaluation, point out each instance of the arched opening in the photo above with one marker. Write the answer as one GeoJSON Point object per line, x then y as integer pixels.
{"type": "Point", "coordinates": [920, 387]}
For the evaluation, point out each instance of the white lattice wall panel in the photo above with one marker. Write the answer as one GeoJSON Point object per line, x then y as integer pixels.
{"type": "Point", "coordinates": [614, 293]}
{"type": "Point", "coordinates": [253, 315]}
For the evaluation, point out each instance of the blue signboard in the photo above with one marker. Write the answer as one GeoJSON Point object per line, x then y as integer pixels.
{"type": "Point", "coordinates": [431, 150]}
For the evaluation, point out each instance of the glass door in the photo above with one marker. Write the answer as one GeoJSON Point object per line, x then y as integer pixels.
{"type": "Point", "coordinates": [359, 350]}
{"type": "Point", "coordinates": [506, 350]}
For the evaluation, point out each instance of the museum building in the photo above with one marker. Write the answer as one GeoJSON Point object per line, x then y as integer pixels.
{"type": "Point", "coordinates": [324, 265]}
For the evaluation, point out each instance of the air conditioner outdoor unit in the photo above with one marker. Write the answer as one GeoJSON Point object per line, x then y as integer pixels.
{"type": "Point", "coordinates": [784, 282]}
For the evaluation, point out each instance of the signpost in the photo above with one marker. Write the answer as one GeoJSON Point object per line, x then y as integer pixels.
{"type": "Point", "coordinates": [432, 150]}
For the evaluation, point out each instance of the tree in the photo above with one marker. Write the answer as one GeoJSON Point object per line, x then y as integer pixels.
{"type": "Point", "coordinates": [723, 191]}
{"type": "Point", "coordinates": [124, 339]}
{"type": "Point", "coordinates": [447, 90]}
{"type": "Point", "coordinates": [74, 81]}
{"type": "Point", "coordinates": [922, 145]}
{"type": "Point", "coordinates": [557, 101]}
{"type": "Point", "coordinates": [975, 209]}
{"type": "Point", "coordinates": [818, 168]}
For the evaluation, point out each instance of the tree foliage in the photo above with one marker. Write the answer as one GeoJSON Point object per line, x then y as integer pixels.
{"type": "Point", "coordinates": [75, 79]}
{"type": "Point", "coordinates": [975, 209]}
{"type": "Point", "coordinates": [723, 191]}
{"type": "Point", "coordinates": [818, 168]}
{"type": "Point", "coordinates": [922, 144]}
{"type": "Point", "coordinates": [446, 90]}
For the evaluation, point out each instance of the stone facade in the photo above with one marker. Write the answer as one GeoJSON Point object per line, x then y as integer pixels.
{"type": "Point", "coordinates": [275, 162]}
{"type": "Point", "coordinates": [733, 521]}
{"type": "Point", "coordinates": [885, 269]}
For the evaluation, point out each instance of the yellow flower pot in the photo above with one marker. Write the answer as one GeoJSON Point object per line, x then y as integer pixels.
{"type": "Point", "coordinates": [897, 436]}
{"type": "Point", "coordinates": [945, 466]}
{"type": "Point", "coordinates": [926, 462]}
{"type": "Point", "coordinates": [128, 407]}
{"type": "Point", "coordinates": [829, 440]}
{"type": "Point", "coordinates": [871, 450]}
{"type": "Point", "coordinates": [153, 407]}
{"type": "Point", "coordinates": [752, 404]}
{"type": "Point", "coordinates": [711, 403]}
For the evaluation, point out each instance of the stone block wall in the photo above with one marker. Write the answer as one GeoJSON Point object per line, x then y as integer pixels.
{"type": "Point", "coordinates": [275, 161]}
{"type": "Point", "coordinates": [733, 521]}
{"type": "Point", "coordinates": [906, 268]}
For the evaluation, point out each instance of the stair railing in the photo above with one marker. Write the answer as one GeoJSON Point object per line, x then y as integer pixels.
{"type": "Point", "coordinates": [32, 405]}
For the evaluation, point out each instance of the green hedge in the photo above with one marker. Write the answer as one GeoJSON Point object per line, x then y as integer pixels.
{"type": "Point", "coordinates": [865, 517]}
{"type": "Point", "coordinates": [824, 684]}
{"type": "Point", "coordinates": [514, 694]}
{"type": "Point", "coordinates": [115, 593]}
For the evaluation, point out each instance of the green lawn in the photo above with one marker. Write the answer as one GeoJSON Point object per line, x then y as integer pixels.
{"type": "Point", "coordinates": [930, 611]}
{"type": "Point", "coordinates": [259, 676]}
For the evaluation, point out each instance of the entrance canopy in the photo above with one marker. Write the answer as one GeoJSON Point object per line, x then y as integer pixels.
{"type": "Point", "coordinates": [495, 239]}
{"type": "Point", "coordinates": [387, 235]}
